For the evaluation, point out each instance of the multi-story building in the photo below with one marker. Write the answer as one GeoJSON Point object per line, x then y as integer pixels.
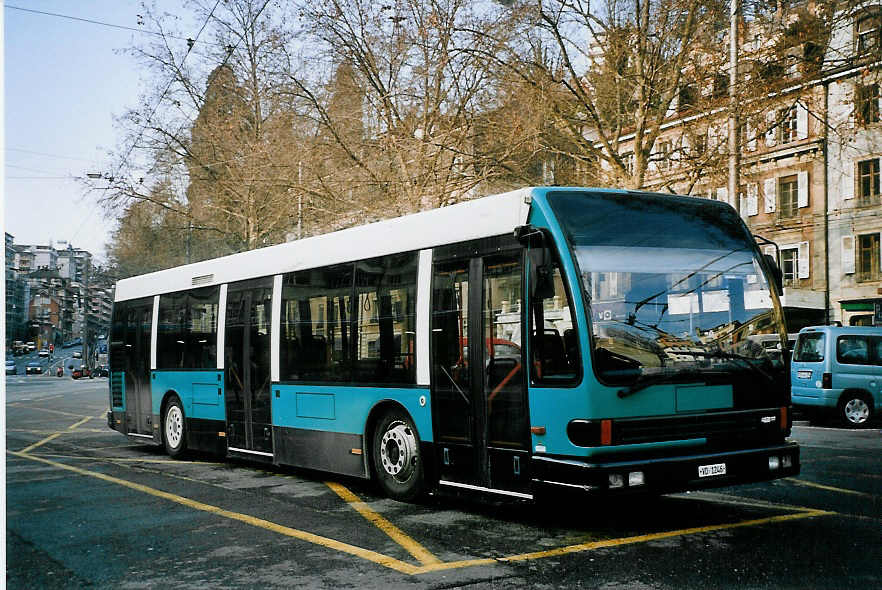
{"type": "Point", "coordinates": [16, 313]}
{"type": "Point", "coordinates": [811, 152]}
{"type": "Point", "coordinates": [54, 293]}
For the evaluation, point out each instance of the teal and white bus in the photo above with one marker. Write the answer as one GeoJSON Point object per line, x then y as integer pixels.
{"type": "Point", "coordinates": [597, 340]}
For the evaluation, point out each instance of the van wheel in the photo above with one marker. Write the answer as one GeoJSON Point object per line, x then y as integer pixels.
{"type": "Point", "coordinates": [395, 454]}
{"type": "Point", "coordinates": [855, 409]}
{"type": "Point", "coordinates": [174, 428]}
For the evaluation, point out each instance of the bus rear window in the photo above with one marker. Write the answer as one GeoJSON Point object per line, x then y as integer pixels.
{"type": "Point", "coordinates": [810, 348]}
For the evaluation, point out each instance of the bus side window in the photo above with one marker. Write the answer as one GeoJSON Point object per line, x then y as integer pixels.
{"type": "Point", "coordinates": [314, 342]}
{"type": "Point", "coordinates": [554, 347]}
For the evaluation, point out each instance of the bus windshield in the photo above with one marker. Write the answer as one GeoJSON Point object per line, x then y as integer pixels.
{"type": "Point", "coordinates": [672, 285]}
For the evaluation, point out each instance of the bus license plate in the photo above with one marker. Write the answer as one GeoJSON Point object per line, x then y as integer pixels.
{"type": "Point", "coordinates": [804, 374]}
{"type": "Point", "coordinates": [711, 470]}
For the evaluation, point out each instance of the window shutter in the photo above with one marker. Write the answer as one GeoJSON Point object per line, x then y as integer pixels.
{"type": "Point", "coordinates": [771, 251]}
{"type": "Point", "coordinates": [804, 262]}
{"type": "Point", "coordinates": [772, 128]}
{"type": "Point", "coordinates": [802, 188]}
{"type": "Point", "coordinates": [742, 205]}
{"type": "Point", "coordinates": [847, 255]}
{"type": "Point", "coordinates": [752, 198]}
{"type": "Point", "coordinates": [723, 194]}
{"type": "Point", "coordinates": [770, 188]}
{"type": "Point", "coordinates": [847, 188]}
{"type": "Point", "coordinates": [801, 121]}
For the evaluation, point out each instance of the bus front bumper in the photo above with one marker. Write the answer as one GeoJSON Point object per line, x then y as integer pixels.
{"type": "Point", "coordinates": [668, 474]}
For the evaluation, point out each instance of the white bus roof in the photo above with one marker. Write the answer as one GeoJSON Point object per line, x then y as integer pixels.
{"type": "Point", "coordinates": [479, 218]}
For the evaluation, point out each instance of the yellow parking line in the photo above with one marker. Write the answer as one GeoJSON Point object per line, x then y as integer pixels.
{"type": "Point", "coordinates": [366, 554]}
{"type": "Point", "coordinates": [55, 435]}
{"type": "Point", "coordinates": [407, 568]}
{"type": "Point", "coordinates": [820, 486]}
{"type": "Point", "coordinates": [396, 534]}
{"type": "Point", "coordinates": [806, 513]}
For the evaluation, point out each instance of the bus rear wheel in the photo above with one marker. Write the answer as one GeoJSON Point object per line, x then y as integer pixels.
{"type": "Point", "coordinates": [855, 409]}
{"type": "Point", "coordinates": [396, 458]}
{"type": "Point", "coordinates": [174, 428]}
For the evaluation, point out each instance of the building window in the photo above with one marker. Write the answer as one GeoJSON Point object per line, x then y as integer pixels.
{"type": "Point", "coordinates": [868, 181]}
{"type": "Point", "coordinates": [868, 33]}
{"type": "Point", "coordinates": [790, 265]}
{"type": "Point", "coordinates": [868, 263]}
{"type": "Point", "coordinates": [867, 104]}
{"type": "Point", "coordinates": [788, 196]}
{"type": "Point", "coordinates": [788, 125]}
{"type": "Point", "coordinates": [628, 162]}
{"type": "Point", "coordinates": [663, 154]}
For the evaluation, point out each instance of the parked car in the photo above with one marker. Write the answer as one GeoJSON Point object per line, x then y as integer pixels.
{"type": "Point", "coordinates": [838, 369]}
{"type": "Point", "coordinates": [81, 371]}
{"type": "Point", "coordinates": [11, 369]}
{"type": "Point", "coordinates": [34, 368]}
{"type": "Point", "coordinates": [44, 352]}
{"type": "Point", "coordinates": [77, 354]}
{"type": "Point", "coordinates": [100, 371]}
{"type": "Point", "coordinates": [32, 346]}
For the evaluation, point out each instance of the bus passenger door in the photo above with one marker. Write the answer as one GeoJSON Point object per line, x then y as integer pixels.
{"type": "Point", "coordinates": [247, 366]}
{"type": "Point", "coordinates": [479, 398]}
{"type": "Point", "coordinates": [138, 395]}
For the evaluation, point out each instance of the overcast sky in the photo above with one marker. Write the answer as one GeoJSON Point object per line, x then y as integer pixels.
{"type": "Point", "coordinates": [65, 81]}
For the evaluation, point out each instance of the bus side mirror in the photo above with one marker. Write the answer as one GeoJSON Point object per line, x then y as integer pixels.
{"type": "Point", "coordinates": [541, 269]}
{"type": "Point", "coordinates": [777, 273]}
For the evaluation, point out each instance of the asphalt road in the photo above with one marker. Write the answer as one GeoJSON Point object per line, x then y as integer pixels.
{"type": "Point", "coordinates": [88, 508]}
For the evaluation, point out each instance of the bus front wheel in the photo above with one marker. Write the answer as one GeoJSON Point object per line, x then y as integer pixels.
{"type": "Point", "coordinates": [395, 453]}
{"type": "Point", "coordinates": [174, 429]}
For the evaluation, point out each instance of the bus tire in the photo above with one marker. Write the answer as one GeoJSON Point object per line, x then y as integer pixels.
{"type": "Point", "coordinates": [395, 454]}
{"type": "Point", "coordinates": [855, 409]}
{"type": "Point", "coordinates": [174, 428]}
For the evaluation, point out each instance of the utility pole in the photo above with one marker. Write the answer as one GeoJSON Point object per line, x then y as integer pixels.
{"type": "Point", "coordinates": [734, 135]}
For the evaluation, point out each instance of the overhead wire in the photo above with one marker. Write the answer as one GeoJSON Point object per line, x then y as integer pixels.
{"type": "Point", "coordinates": [147, 121]}
{"type": "Point", "coordinates": [103, 23]}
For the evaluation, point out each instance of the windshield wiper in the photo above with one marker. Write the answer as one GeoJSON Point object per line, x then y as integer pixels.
{"type": "Point", "coordinates": [642, 384]}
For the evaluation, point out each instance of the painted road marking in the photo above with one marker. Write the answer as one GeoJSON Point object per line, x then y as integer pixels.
{"type": "Point", "coordinates": [821, 486]}
{"type": "Point", "coordinates": [403, 567]}
{"type": "Point", "coordinates": [410, 545]}
{"type": "Point", "coordinates": [366, 554]}
{"type": "Point", "coordinates": [580, 547]}
{"type": "Point", "coordinates": [56, 435]}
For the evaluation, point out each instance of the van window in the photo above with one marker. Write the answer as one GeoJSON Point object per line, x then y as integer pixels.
{"type": "Point", "coordinates": [859, 350]}
{"type": "Point", "coordinates": [810, 348]}
{"type": "Point", "coordinates": [852, 350]}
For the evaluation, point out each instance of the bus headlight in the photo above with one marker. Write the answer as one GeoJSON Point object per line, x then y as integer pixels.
{"type": "Point", "coordinates": [616, 480]}
{"type": "Point", "coordinates": [774, 463]}
{"type": "Point", "coordinates": [635, 478]}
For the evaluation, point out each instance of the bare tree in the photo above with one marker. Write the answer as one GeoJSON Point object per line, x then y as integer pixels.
{"type": "Point", "coordinates": [416, 80]}
{"type": "Point", "coordinates": [216, 130]}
